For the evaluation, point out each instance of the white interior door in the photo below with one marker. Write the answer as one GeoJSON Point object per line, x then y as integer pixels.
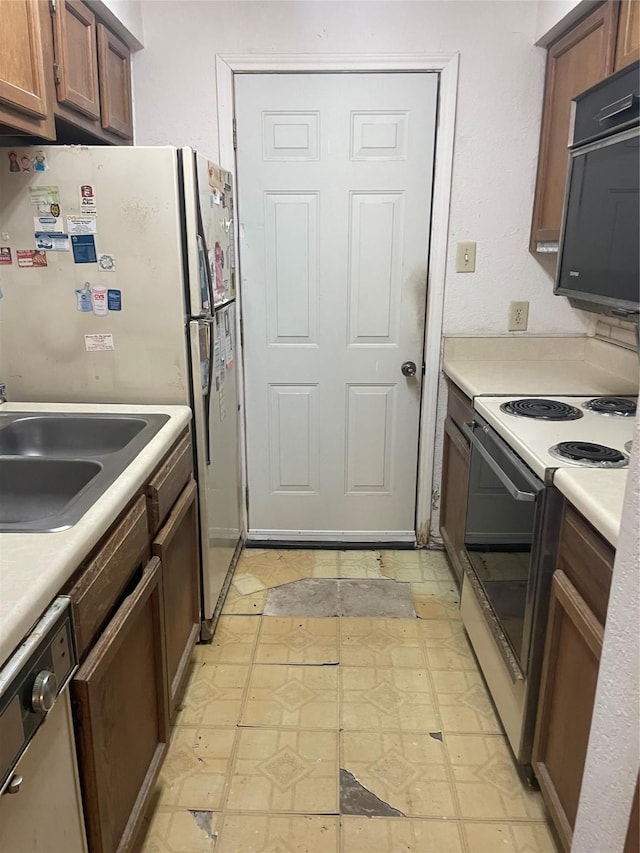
{"type": "Point", "coordinates": [334, 198]}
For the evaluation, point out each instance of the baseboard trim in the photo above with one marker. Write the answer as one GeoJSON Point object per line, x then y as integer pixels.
{"type": "Point", "coordinates": [331, 538]}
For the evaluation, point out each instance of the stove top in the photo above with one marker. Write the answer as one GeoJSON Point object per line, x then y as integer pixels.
{"type": "Point", "coordinates": [534, 439]}
{"type": "Point", "coordinates": [588, 454]}
{"type": "Point", "coordinates": [541, 409]}
{"type": "Point", "coordinates": [621, 407]}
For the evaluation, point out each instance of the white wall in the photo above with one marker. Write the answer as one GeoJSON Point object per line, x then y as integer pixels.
{"type": "Point", "coordinates": [124, 17]}
{"type": "Point", "coordinates": [553, 17]}
{"type": "Point", "coordinates": [613, 757]}
{"type": "Point", "coordinates": [499, 103]}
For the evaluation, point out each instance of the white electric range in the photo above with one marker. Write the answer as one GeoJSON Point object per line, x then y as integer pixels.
{"type": "Point", "coordinates": [512, 529]}
{"type": "Point", "coordinates": [539, 429]}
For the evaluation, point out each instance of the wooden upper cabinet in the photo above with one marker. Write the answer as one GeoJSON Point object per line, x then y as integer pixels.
{"type": "Point", "coordinates": [26, 85]}
{"type": "Point", "coordinates": [628, 41]}
{"type": "Point", "coordinates": [75, 50]}
{"type": "Point", "coordinates": [579, 59]}
{"type": "Point", "coordinates": [114, 62]}
{"type": "Point", "coordinates": [22, 71]}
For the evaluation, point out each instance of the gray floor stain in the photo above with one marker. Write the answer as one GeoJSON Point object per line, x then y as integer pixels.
{"type": "Point", "coordinates": [203, 820]}
{"type": "Point", "coordinates": [436, 735]}
{"type": "Point", "coordinates": [355, 799]}
{"type": "Point", "coordinates": [329, 597]}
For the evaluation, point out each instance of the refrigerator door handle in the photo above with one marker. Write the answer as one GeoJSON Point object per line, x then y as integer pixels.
{"type": "Point", "coordinates": [207, 400]}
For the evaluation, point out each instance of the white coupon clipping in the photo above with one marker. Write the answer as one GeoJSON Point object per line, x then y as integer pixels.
{"type": "Point", "coordinates": [98, 343]}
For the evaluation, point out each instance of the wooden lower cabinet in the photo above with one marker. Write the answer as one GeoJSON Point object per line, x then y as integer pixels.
{"type": "Point", "coordinates": [455, 478]}
{"type": "Point", "coordinates": [177, 547]}
{"type": "Point", "coordinates": [119, 697]}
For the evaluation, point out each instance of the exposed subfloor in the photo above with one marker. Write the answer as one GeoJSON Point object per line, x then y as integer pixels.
{"type": "Point", "coordinates": [369, 732]}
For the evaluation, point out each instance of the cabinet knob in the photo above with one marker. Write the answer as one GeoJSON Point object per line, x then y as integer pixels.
{"type": "Point", "coordinates": [44, 691]}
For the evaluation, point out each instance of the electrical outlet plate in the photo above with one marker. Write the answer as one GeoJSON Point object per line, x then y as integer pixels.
{"type": "Point", "coordinates": [518, 316]}
{"type": "Point", "coordinates": [466, 257]}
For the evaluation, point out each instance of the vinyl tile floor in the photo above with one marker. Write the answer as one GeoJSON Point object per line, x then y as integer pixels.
{"type": "Point", "coordinates": [340, 734]}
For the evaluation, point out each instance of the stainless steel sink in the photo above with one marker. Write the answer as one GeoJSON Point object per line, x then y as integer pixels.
{"type": "Point", "coordinates": [69, 436]}
{"type": "Point", "coordinates": [54, 467]}
{"type": "Point", "coordinates": [35, 490]}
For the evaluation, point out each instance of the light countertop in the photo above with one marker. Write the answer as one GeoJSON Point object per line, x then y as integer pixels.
{"type": "Point", "coordinates": [531, 365]}
{"type": "Point", "coordinates": [597, 494]}
{"type": "Point", "coordinates": [35, 566]}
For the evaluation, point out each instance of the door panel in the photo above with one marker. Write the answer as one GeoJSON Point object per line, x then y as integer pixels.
{"type": "Point", "coordinates": [334, 176]}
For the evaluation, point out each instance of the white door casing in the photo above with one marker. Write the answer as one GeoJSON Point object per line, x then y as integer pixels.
{"type": "Point", "coordinates": [334, 177]}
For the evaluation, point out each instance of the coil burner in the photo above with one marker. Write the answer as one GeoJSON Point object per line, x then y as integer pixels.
{"type": "Point", "coordinates": [589, 455]}
{"type": "Point", "coordinates": [544, 410]}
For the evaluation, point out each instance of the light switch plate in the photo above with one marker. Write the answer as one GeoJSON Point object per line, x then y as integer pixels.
{"type": "Point", "coordinates": [466, 257]}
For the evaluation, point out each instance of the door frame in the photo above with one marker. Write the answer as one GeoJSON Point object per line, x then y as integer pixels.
{"type": "Point", "coordinates": [446, 65]}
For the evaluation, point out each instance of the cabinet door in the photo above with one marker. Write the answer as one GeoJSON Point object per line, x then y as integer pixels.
{"type": "Point", "coordinates": [455, 477]}
{"type": "Point", "coordinates": [22, 71]}
{"type": "Point", "coordinates": [120, 706]}
{"type": "Point", "coordinates": [569, 677]}
{"type": "Point", "coordinates": [75, 48]}
{"type": "Point", "coordinates": [115, 83]}
{"type": "Point", "coordinates": [177, 547]}
{"type": "Point", "coordinates": [578, 60]}
{"type": "Point", "coordinates": [628, 40]}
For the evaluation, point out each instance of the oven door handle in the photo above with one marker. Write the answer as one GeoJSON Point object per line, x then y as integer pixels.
{"type": "Point", "coordinates": [516, 493]}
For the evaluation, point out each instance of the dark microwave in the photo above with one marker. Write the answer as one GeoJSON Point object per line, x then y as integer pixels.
{"type": "Point", "coordinates": [599, 252]}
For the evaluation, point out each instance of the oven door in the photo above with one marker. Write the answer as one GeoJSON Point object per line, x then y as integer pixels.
{"type": "Point", "coordinates": [504, 506]}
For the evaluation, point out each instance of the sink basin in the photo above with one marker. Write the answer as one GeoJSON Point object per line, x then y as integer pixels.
{"type": "Point", "coordinates": [36, 489]}
{"type": "Point", "coordinates": [68, 436]}
{"type": "Point", "coordinates": [54, 467]}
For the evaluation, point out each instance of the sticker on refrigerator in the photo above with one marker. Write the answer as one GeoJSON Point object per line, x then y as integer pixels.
{"type": "Point", "coordinates": [28, 258]}
{"type": "Point", "coordinates": [221, 404]}
{"type": "Point", "coordinates": [99, 300]}
{"type": "Point", "coordinates": [5, 256]}
{"type": "Point", "coordinates": [14, 165]}
{"type": "Point", "coordinates": [83, 298]}
{"type": "Point", "coordinates": [82, 224]}
{"type": "Point", "coordinates": [87, 199]}
{"type": "Point", "coordinates": [45, 198]}
{"type": "Point", "coordinates": [40, 162]}
{"type": "Point", "coordinates": [52, 241]}
{"type": "Point", "coordinates": [228, 342]}
{"type": "Point", "coordinates": [114, 300]}
{"type": "Point", "coordinates": [106, 263]}
{"type": "Point", "coordinates": [218, 365]}
{"type": "Point", "coordinates": [45, 221]}
{"type": "Point", "coordinates": [99, 343]}
{"type": "Point", "coordinates": [84, 248]}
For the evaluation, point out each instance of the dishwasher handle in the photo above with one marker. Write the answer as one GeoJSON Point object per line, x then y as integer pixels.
{"type": "Point", "coordinates": [516, 493]}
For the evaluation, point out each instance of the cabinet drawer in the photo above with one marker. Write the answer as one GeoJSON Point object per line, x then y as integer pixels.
{"type": "Point", "coordinates": [459, 406]}
{"type": "Point", "coordinates": [587, 560]}
{"type": "Point", "coordinates": [103, 579]}
{"type": "Point", "coordinates": [168, 481]}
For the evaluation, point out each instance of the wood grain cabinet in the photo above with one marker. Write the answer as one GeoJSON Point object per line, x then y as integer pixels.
{"type": "Point", "coordinates": [579, 596]}
{"type": "Point", "coordinates": [177, 547]}
{"type": "Point", "coordinates": [115, 84]}
{"type": "Point", "coordinates": [135, 605]}
{"type": "Point", "coordinates": [577, 60]}
{"type": "Point", "coordinates": [76, 57]}
{"type": "Point", "coordinates": [455, 477]}
{"type": "Point", "coordinates": [628, 38]}
{"type": "Point", "coordinates": [26, 86]}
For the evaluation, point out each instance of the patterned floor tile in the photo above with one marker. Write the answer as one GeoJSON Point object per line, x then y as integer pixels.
{"type": "Point", "coordinates": [262, 568]}
{"type": "Point", "coordinates": [380, 642]}
{"type": "Point", "coordinates": [446, 645]}
{"type": "Point", "coordinates": [195, 767]}
{"type": "Point", "coordinates": [395, 835]}
{"type": "Point", "coordinates": [292, 696]}
{"type": "Point", "coordinates": [387, 699]}
{"type": "Point", "coordinates": [175, 830]}
{"type": "Point", "coordinates": [278, 834]}
{"type": "Point", "coordinates": [285, 771]}
{"type": "Point", "coordinates": [233, 642]}
{"type": "Point", "coordinates": [213, 696]}
{"type": "Point", "coordinates": [463, 702]}
{"type": "Point", "coordinates": [359, 564]}
{"type": "Point", "coordinates": [486, 781]}
{"type": "Point", "coordinates": [430, 605]}
{"type": "Point", "coordinates": [287, 639]}
{"type": "Point", "coordinates": [509, 838]}
{"type": "Point", "coordinates": [407, 771]}
{"type": "Point", "coordinates": [248, 605]}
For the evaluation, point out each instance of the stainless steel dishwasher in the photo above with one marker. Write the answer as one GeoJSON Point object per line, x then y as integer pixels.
{"type": "Point", "coordinates": [41, 805]}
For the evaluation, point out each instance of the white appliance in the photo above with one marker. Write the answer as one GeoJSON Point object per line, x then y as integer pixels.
{"type": "Point", "coordinates": [117, 270]}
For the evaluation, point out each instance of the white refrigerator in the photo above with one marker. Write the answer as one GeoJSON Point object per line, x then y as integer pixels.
{"type": "Point", "coordinates": [117, 275]}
